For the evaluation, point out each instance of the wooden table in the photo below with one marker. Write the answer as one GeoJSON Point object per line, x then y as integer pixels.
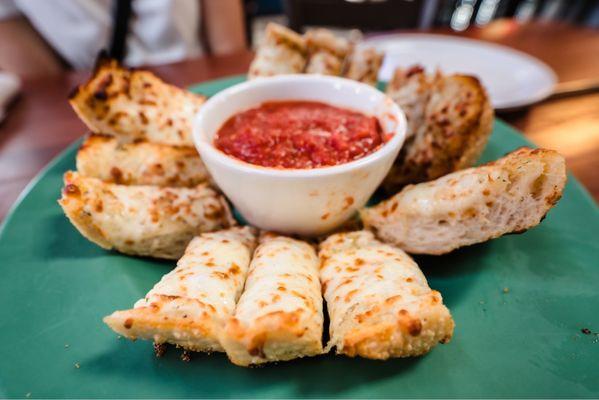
{"type": "Point", "coordinates": [41, 123]}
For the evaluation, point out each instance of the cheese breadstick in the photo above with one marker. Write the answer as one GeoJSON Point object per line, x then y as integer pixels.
{"type": "Point", "coordinates": [279, 315]}
{"type": "Point", "coordinates": [190, 303]}
{"type": "Point", "coordinates": [379, 303]}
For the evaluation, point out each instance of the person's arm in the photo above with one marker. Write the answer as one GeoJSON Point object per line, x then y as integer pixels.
{"type": "Point", "coordinates": [24, 52]}
{"type": "Point", "coordinates": [224, 25]}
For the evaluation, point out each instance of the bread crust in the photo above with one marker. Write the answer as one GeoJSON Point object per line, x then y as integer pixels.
{"type": "Point", "coordinates": [279, 315]}
{"type": "Point", "coordinates": [379, 303]}
{"type": "Point", "coordinates": [450, 119]}
{"type": "Point", "coordinates": [471, 206]}
{"type": "Point", "coordinates": [135, 105]}
{"type": "Point", "coordinates": [189, 305]}
{"type": "Point", "coordinates": [142, 220]}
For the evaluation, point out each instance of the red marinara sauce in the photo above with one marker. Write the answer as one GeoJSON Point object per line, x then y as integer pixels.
{"type": "Point", "coordinates": [299, 135]}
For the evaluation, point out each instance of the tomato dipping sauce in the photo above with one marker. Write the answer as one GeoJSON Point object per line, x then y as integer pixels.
{"type": "Point", "coordinates": [299, 135]}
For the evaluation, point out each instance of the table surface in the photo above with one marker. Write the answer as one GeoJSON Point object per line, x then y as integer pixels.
{"type": "Point", "coordinates": [41, 123]}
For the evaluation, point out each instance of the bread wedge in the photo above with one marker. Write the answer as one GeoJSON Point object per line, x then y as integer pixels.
{"type": "Point", "coordinates": [142, 220]}
{"type": "Point", "coordinates": [474, 205]}
{"type": "Point", "coordinates": [135, 104]}
{"type": "Point", "coordinates": [364, 65]}
{"type": "Point", "coordinates": [450, 119]}
{"type": "Point", "coordinates": [282, 52]}
{"type": "Point", "coordinates": [379, 302]}
{"type": "Point", "coordinates": [326, 52]}
{"type": "Point", "coordinates": [140, 163]}
{"type": "Point", "coordinates": [188, 306]}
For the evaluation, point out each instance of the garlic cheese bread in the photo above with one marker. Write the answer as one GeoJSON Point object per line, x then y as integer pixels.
{"type": "Point", "coordinates": [326, 52]}
{"type": "Point", "coordinates": [411, 89]}
{"type": "Point", "coordinates": [364, 65]}
{"type": "Point", "coordinates": [135, 104]}
{"type": "Point", "coordinates": [279, 315]}
{"type": "Point", "coordinates": [140, 163]}
{"type": "Point", "coordinates": [142, 220]}
{"type": "Point", "coordinates": [282, 52]}
{"type": "Point", "coordinates": [379, 303]}
{"type": "Point", "coordinates": [449, 118]}
{"type": "Point", "coordinates": [474, 205]}
{"type": "Point", "coordinates": [189, 304]}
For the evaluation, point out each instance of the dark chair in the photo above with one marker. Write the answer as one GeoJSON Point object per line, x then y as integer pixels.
{"type": "Point", "coordinates": [366, 15]}
{"type": "Point", "coordinates": [258, 8]}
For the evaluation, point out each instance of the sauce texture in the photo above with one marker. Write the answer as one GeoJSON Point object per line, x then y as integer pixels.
{"type": "Point", "coordinates": [299, 135]}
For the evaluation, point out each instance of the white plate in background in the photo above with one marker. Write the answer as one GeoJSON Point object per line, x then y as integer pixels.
{"type": "Point", "coordinates": [513, 78]}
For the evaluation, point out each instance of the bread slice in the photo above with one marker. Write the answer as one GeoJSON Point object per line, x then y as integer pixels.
{"type": "Point", "coordinates": [283, 51]}
{"type": "Point", "coordinates": [411, 89]}
{"type": "Point", "coordinates": [364, 65]}
{"type": "Point", "coordinates": [189, 304]}
{"type": "Point", "coordinates": [326, 52]}
{"type": "Point", "coordinates": [142, 220]}
{"type": "Point", "coordinates": [474, 205]}
{"type": "Point", "coordinates": [279, 315]}
{"type": "Point", "coordinates": [140, 163]}
{"type": "Point", "coordinates": [379, 302]}
{"type": "Point", "coordinates": [450, 119]}
{"type": "Point", "coordinates": [135, 104]}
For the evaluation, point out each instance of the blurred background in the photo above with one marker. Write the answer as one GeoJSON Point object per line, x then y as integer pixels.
{"type": "Point", "coordinates": [47, 47]}
{"type": "Point", "coordinates": [45, 37]}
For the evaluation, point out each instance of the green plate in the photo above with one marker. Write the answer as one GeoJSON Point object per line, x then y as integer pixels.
{"type": "Point", "coordinates": [525, 341]}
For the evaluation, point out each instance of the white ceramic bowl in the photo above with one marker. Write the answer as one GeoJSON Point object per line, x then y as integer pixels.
{"type": "Point", "coordinates": [298, 201]}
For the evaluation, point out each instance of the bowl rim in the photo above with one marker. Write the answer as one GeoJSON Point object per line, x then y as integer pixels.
{"type": "Point", "coordinates": [208, 150]}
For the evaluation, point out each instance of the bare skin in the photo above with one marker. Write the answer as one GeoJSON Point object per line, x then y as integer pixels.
{"type": "Point", "coordinates": [24, 52]}
{"type": "Point", "coordinates": [224, 26]}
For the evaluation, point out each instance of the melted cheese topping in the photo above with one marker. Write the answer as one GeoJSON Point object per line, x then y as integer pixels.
{"type": "Point", "coordinates": [459, 190]}
{"type": "Point", "coordinates": [283, 277]}
{"type": "Point", "coordinates": [358, 278]}
{"type": "Point", "coordinates": [279, 315]}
